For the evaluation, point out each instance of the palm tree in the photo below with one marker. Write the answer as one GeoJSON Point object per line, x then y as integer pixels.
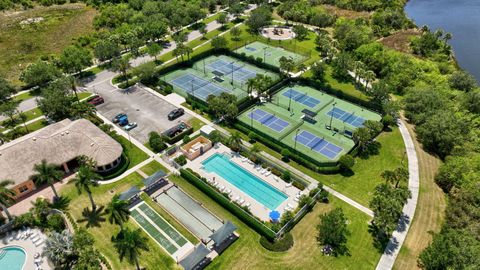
{"type": "Point", "coordinates": [117, 210]}
{"type": "Point", "coordinates": [6, 196]}
{"type": "Point", "coordinates": [129, 243]}
{"type": "Point", "coordinates": [47, 173]}
{"type": "Point", "coordinates": [235, 140]}
{"type": "Point", "coordinates": [358, 68]}
{"type": "Point", "coordinates": [84, 181]}
{"type": "Point", "coordinates": [369, 76]}
{"type": "Point", "coordinates": [251, 84]}
{"type": "Point", "coordinates": [254, 150]}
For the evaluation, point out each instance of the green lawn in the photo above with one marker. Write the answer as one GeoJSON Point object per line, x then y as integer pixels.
{"type": "Point", "coordinates": [361, 185]}
{"type": "Point", "coordinates": [155, 258]}
{"type": "Point", "coordinates": [153, 167]}
{"type": "Point", "coordinates": [135, 154]}
{"type": "Point", "coordinates": [23, 96]}
{"type": "Point", "coordinates": [84, 95]}
{"type": "Point", "coordinates": [196, 123]}
{"type": "Point", "coordinates": [247, 253]}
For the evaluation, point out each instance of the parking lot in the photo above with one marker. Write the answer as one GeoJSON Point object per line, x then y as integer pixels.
{"type": "Point", "coordinates": [147, 110]}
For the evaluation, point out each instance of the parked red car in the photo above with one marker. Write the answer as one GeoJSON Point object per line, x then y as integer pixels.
{"type": "Point", "coordinates": [96, 101]}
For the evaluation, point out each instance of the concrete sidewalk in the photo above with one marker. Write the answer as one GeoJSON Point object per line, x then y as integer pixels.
{"type": "Point", "coordinates": [398, 237]}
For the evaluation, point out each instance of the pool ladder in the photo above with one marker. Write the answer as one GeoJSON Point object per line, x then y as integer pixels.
{"type": "Point", "coordinates": [3, 252]}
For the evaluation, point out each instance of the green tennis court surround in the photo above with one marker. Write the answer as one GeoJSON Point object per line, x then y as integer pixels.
{"type": "Point", "coordinates": [270, 54]}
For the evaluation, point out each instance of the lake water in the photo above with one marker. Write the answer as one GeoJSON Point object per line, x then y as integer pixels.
{"type": "Point", "coordinates": [459, 17]}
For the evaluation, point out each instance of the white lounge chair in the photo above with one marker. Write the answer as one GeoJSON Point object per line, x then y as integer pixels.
{"type": "Point", "coordinates": [296, 199]}
{"type": "Point", "coordinates": [241, 201]}
{"type": "Point", "coordinates": [35, 238]}
{"type": "Point", "coordinates": [268, 173]}
{"type": "Point", "coordinates": [33, 235]}
{"type": "Point", "coordinates": [289, 205]}
{"type": "Point", "coordinates": [221, 188]}
{"type": "Point", "coordinates": [39, 243]}
{"type": "Point", "coordinates": [288, 185]}
{"type": "Point", "coordinates": [228, 191]}
{"type": "Point", "coordinates": [244, 159]}
{"type": "Point", "coordinates": [263, 171]}
{"type": "Point", "coordinates": [236, 198]}
{"type": "Point", "coordinates": [276, 178]}
{"type": "Point", "coordinates": [248, 204]}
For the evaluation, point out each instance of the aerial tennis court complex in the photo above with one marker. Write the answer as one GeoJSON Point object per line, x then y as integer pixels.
{"type": "Point", "coordinates": [270, 54]}
{"type": "Point", "coordinates": [189, 212]}
{"type": "Point", "coordinates": [215, 75]}
{"type": "Point", "coordinates": [308, 120]}
{"type": "Point", "coordinates": [175, 244]}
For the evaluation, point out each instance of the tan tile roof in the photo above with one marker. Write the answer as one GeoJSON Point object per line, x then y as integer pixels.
{"type": "Point", "coordinates": [57, 143]}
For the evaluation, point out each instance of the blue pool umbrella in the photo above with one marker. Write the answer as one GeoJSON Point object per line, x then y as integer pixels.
{"type": "Point", "coordinates": [274, 215]}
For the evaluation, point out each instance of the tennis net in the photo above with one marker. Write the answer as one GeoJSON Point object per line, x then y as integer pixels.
{"type": "Point", "coordinates": [268, 119]}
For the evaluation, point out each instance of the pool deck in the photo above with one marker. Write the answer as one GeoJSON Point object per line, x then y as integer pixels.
{"type": "Point", "coordinates": [29, 248]}
{"type": "Point", "coordinates": [256, 207]}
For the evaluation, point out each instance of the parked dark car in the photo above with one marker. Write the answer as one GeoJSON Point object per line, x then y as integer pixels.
{"type": "Point", "coordinates": [96, 101]}
{"type": "Point", "coordinates": [123, 121]}
{"type": "Point", "coordinates": [175, 114]}
{"type": "Point", "coordinates": [117, 117]}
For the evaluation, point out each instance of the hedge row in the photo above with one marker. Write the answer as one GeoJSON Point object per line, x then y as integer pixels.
{"type": "Point", "coordinates": [227, 204]}
{"type": "Point", "coordinates": [297, 156]}
{"type": "Point", "coordinates": [125, 162]}
{"type": "Point", "coordinates": [179, 136]}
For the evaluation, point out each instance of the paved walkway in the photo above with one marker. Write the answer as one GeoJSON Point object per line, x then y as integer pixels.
{"type": "Point", "coordinates": [398, 237]}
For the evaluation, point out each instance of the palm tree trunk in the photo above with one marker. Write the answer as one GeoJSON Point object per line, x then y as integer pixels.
{"type": "Point", "coordinates": [5, 209]}
{"type": "Point", "coordinates": [136, 263]}
{"type": "Point", "coordinates": [94, 207]}
{"type": "Point", "coordinates": [54, 190]}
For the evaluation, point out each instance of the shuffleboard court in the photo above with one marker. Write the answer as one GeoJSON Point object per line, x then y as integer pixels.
{"type": "Point", "coordinates": [200, 213]}
{"type": "Point", "coordinates": [318, 144]}
{"type": "Point", "coordinates": [349, 118]}
{"type": "Point", "coordinates": [161, 223]}
{"type": "Point", "coordinates": [270, 54]}
{"type": "Point", "coordinates": [186, 218]}
{"type": "Point", "coordinates": [198, 87]}
{"type": "Point", "coordinates": [300, 97]}
{"type": "Point", "coordinates": [268, 120]}
{"type": "Point", "coordinates": [161, 231]}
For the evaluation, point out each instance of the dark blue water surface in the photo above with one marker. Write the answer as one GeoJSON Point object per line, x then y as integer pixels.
{"type": "Point", "coordinates": [459, 17]}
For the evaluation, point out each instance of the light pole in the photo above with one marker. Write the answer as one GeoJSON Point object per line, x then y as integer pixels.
{"type": "Point", "coordinates": [264, 54]}
{"type": "Point", "coordinates": [193, 90]}
{"type": "Point", "coordinates": [251, 118]}
{"type": "Point", "coordinates": [296, 136]}
{"type": "Point", "coordinates": [231, 82]}
{"type": "Point", "coordinates": [331, 115]}
{"type": "Point", "coordinates": [290, 99]}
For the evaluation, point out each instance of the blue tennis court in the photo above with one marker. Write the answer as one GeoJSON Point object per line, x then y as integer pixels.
{"type": "Point", "coordinates": [268, 120]}
{"type": "Point", "coordinates": [198, 87]}
{"type": "Point", "coordinates": [317, 144]}
{"type": "Point", "coordinates": [239, 72]}
{"type": "Point", "coordinates": [301, 98]}
{"type": "Point", "coordinates": [252, 49]}
{"type": "Point", "coordinates": [346, 117]}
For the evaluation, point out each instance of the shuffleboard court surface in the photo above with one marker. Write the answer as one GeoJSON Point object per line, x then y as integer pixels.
{"type": "Point", "coordinates": [185, 217]}
{"type": "Point", "coordinates": [161, 223]}
{"type": "Point", "coordinates": [200, 213]}
{"type": "Point", "coordinates": [154, 232]}
{"type": "Point", "coordinates": [300, 97]}
{"type": "Point", "coordinates": [318, 144]}
{"type": "Point", "coordinates": [269, 120]}
{"type": "Point", "coordinates": [346, 117]}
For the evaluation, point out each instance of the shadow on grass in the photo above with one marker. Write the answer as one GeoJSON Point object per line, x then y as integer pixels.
{"type": "Point", "coordinates": [92, 218]}
{"type": "Point", "coordinates": [380, 239]}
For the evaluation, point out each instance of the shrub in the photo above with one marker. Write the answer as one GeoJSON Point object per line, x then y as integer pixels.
{"type": "Point", "coordinates": [388, 121]}
{"type": "Point", "coordinates": [323, 196]}
{"type": "Point", "coordinates": [56, 223]}
{"type": "Point", "coordinates": [181, 160]}
{"type": "Point", "coordinates": [279, 245]}
{"type": "Point", "coordinates": [346, 162]}
{"type": "Point", "coordinates": [259, 59]}
{"type": "Point", "coordinates": [156, 142]}
{"type": "Point", "coordinates": [186, 139]}
{"type": "Point", "coordinates": [286, 176]}
{"type": "Point", "coordinates": [298, 185]}
{"type": "Point", "coordinates": [252, 136]}
{"type": "Point", "coordinates": [286, 217]}
{"type": "Point", "coordinates": [285, 154]}
{"type": "Point", "coordinates": [276, 172]}
{"type": "Point", "coordinates": [304, 200]}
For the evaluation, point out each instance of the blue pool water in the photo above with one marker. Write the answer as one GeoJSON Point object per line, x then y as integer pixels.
{"type": "Point", "coordinates": [245, 181]}
{"type": "Point", "coordinates": [12, 258]}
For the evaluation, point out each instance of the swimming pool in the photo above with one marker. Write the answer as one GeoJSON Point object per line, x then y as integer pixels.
{"type": "Point", "coordinates": [12, 258]}
{"type": "Point", "coordinates": [244, 180]}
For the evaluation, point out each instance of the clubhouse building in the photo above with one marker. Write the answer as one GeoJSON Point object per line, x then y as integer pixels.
{"type": "Point", "coordinates": [60, 143]}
